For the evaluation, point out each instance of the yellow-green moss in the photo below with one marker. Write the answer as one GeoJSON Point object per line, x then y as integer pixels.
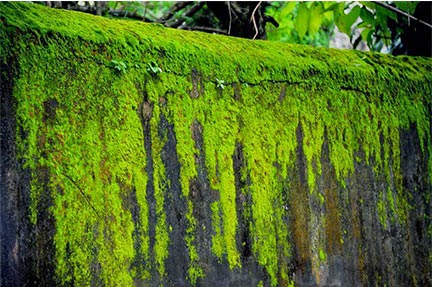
{"type": "Point", "coordinates": [93, 145]}
{"type": "Point", "coordinates": [268, 140]}
{"type": "Point", "coordinates": [220, 134]}
{"type": "Point", "coordinates": [89, 145]}
{"type": "Point", "coordinates": [183, 112]}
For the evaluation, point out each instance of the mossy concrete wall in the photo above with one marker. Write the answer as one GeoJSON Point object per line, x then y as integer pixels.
{"type": "Point", "coordinates": [135, 155]}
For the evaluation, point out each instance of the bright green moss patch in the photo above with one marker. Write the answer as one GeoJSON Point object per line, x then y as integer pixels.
{"type": "Point", "coordinates": [220, 134]}
{"type": "Point", "coordinates": [80, 81]}
{"type": "Point", "coordinates": [260, 134]}
{"type": "Point", "coordinates": [89, 146]}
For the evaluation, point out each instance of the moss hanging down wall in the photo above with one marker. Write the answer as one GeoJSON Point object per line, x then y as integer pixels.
{"type": "Point", "coordinates": [135, 155]}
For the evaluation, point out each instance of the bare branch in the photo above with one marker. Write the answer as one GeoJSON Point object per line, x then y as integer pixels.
{"type": "Point", "coordinates": [101, 7]}
{"type": "Point", "coordinates": [132, 15]}
{"type": "Point", "coordinates": [236, 9]}
{"type": "Point", "coordinates": [207, 29]}
{"type": "Point", "coordinates": [398, 11]}
{"type": "Point", "coordinates": [230, 17]}
{"type": "Point", "coordinates": [272, 20]}
{"type": "Point", "coordinates": [147, 11]}
{"type": "Point", "coordinates": [188, 13]}
{"type": "Point", "coordinates": [253, 20]}
{"type": "Point", "coordinates": [175, 8]}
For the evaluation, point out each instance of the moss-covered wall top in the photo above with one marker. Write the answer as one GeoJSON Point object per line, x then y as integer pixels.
{"type": "Point", "coordinates": [146, 156]}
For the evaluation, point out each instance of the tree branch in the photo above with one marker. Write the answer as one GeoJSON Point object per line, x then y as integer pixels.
{"type": "Point", "coordinates": [147, 11]}
{"type": "Point", "coordinates": [208, 29]}
{"type": "Point", "coordinates": [253, 20]}
{"type": "Point", "coordinates": [272, 20]}
{"type": "Point", "coordinates": [398, 11]}
{"type": "Point", "coordinates": [188, 13]}
{"type": "Point", "coordinates": [175, 8]}
{"type": "Point", "coordinates": [132, 15]}
{"type": "Point", "coordinates": [230, 17]}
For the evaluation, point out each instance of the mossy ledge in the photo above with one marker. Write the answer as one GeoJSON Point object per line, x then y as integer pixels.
{"type": "Point", "coordinates": [135, 155]}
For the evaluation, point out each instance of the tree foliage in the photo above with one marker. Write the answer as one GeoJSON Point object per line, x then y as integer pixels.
{"type": "Point", "coordinates": [301, 22]}
{"type": "Point", "coordinates": [384, 26]}
{"type": "Point", "coordinates": [393, 27]}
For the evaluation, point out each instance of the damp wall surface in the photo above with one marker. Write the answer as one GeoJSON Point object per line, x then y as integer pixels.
{"type": "Point", "coordinates": [135, 155]}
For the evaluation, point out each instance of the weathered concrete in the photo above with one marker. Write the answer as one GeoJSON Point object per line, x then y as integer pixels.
{"type": "Point", "coordinates": [134, 155]}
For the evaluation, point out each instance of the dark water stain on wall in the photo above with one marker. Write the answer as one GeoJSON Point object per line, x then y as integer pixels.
{"type": "Point", "coordinates": [175, 208]}
{"type": "Point", "coordinates": [145, 115]}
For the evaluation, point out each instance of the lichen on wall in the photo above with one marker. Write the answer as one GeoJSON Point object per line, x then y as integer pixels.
{"type": "Point", "coordinates": [169, 158]}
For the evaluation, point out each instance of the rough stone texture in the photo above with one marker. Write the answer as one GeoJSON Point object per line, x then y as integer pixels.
{"type": "Point", "coordinates": [239, 163]}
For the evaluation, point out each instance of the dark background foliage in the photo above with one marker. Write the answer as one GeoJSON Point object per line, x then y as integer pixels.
{"type": "Point", "coordinates": [389, 27]}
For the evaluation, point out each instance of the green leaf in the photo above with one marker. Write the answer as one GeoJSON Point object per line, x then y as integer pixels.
{"type": "Point", "coordinates": [364, 24]}
{"type": "Point", "coordinates": [340, 8]}
{"type": "Point", "coordinates": [287, 9]}
{"type": "Point", "coordinates": [328, 5]}
{"type": "Point", "coordinates": [302, 20]}
{"type": "Point", "coordinates": [345, 22]}
{"type": "Point", "coordinates": [365, 33]}
{"type": "Point", "coordinates": [405, 6]}
{"type": "Point", "coordinates": [322, 255]}
{"type": "Point", "coordinates": [367, 36]}
{"type": "Point", "coordinates": [140, 11]}
{"type": "Point", "coordinates": [129, 8]}
{"type": "Point", "coordinates": [316, 18]}
{"type": "Point", "coordinates": [368, 4]}
{"type": "Point", "coordinates": [178, 14]}
{"type": "Point", "coordinates": [367, 16]}
{"type": "Point", "coordinates": [392, 15]}
{"type": "Point", "coordinates": [189, 20]}
{"type": "Point", "coordinates": [112, 4]}
{"type": "Point", "coordinates": [382, 14]}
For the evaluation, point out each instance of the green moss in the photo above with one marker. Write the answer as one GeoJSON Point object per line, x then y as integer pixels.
{"type": "Point", "coordinates": [195, 271]}
{"type": "Point", "coordinates": [220, 134]}
{"type": "Point", "coordinates": [88, 146]}
{"type": "Point", "coordinates": [218, 245]}
{"type": "Point", "coordinates": [77, 118]}
{"type": "Point", "coordinates": [382, 213]}
{"type": "Point", "coordinates": [161, 188]}
{"type": "Point", "coordinates": [181, 109]}
{"type": "Point", "coordinates": [260, 132]}
{"type": "Point", "coordinates": [322, 255]}
{"type": "Point", "coordinates": [140, 183]}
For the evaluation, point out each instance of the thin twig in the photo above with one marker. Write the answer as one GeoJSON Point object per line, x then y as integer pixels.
{"type": "Point", "coordinates": [110, 242]}
{"type": "Point", "coordinates": [188, 13]}
{"type": "Point", "coordinates": [132, 15]}
{"type": "Point", "coordinates": [146, 8]}
{"type": "Point", "coordinates": [83, 194]}
{"type": "Point", "coordinates": [175, 8]}
{"type": "Point", "coordinates": [230, 19]}
{"type": "Point", "coordinates": [206, 29]}
{"type": "Point", "coordinates": [151, 16]}
{"type": "Point", "coordinates": [253, 20]}
{"type": "Point", "coordinates": [236, 9]}
{"type": "Point", "coordinates": [396, 10]}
